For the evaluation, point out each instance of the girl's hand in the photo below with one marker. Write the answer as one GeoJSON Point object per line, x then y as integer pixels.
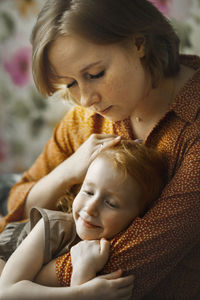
{"type": "Point", "coordinates": [88, 257]}
{"type": "Point", "coordinates": [79, 161]}
{"type": "Point", "coordinates": [108, 287]}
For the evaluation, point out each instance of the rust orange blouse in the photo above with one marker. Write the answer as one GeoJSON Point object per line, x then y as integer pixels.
{"type": "Point", "coordinates": [162, 249]}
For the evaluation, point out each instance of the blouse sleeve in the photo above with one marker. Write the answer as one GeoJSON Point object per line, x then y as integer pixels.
{"type": "Point", "coordinates": [152, 246]}
{"type": "Point", "coordinates": [62, 144]}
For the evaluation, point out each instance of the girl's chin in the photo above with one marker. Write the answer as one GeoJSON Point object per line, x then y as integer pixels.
{"type": "Point", "coordinates": [88, 235]}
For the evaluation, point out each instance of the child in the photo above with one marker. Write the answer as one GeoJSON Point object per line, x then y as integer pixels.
{"type": "Point", "coordinates": [120, 185]}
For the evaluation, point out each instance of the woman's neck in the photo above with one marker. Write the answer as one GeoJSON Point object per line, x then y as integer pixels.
{"type": "Point", "coordinates": [157, 102]}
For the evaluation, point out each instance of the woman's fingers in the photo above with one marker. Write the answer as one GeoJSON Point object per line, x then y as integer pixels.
{"type": "Point", "coordinates": [102, 143]}
{"type": "Point", "coordinates": [108, 142]}
{"type": "Point", "coordinates": [100, 136]}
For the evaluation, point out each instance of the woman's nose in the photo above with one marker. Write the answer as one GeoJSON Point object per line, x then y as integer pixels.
{"type": "Point", "coordinates": [89, 98]}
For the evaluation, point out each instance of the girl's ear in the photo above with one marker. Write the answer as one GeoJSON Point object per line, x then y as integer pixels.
{"type": "Point", "coordinates": [140, 45]}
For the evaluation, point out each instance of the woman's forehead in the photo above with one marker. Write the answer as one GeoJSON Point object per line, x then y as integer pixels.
{"type": "Point", "coordinates": [76, 54]}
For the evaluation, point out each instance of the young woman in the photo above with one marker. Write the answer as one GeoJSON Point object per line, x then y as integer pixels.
{"type": "Point", "coordinates": [120, 185]}
{"type": "Point", "coordinates": [120, 62]}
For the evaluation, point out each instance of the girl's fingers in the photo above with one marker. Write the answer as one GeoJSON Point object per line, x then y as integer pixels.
{"type": "Point", "coordinates": [125, 291]}
{"type": "Point", "coordinates": [124, 281]}
{"type": "Point", "coordinates": [113, 275]}
{"type": "Point", "coordinates": [116, 278]}
{"type": "Point", "coordinates": [104, 246]}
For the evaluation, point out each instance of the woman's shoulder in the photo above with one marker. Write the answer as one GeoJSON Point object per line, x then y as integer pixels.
{"type": "Point", "coordinates": [187, 101]}
{"type": "Point", "coordinates": [81, 119]}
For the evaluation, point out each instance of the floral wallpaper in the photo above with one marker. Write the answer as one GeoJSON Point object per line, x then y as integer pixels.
{"type": "Point", "coordinates": [26, 119]}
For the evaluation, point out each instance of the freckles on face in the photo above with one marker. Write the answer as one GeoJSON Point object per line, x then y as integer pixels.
{"type": "Point", "coordinates": [122, 86]}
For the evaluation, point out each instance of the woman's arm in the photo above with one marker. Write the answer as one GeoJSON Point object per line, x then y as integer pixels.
{"type": "Point", "coordinates": [154, 245]}
{"type": "Point", "coordinates": [69, 172]}
{"type": "Point", "coordinates": [25, 263]}
{"type": "Point", "coordinates": [68, 136]}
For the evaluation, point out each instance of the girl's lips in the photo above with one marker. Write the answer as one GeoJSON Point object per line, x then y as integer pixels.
{"type": "Point", "coordinates": [88, 224]}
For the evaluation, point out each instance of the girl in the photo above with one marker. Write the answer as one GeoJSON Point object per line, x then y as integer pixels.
{"type": "Point", "coordinates": [120, 184]}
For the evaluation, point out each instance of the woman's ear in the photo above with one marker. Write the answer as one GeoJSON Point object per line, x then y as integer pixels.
{"type": "Point", "coordinates": [140, 45]}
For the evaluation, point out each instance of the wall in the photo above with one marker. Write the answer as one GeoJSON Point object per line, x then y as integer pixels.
{"type": "Point", "coordinates": [26, 119]}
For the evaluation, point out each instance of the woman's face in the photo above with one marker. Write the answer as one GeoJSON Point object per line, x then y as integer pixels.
{"type": "Point", "coordinates": [108, 79]}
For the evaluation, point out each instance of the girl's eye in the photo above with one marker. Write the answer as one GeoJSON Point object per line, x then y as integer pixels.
{"type": "Point", "coordinates": [71, 84]}
{"type": "Point", "coordinates": [98, 75]}
{"type": "Point", "coordinates": [89, 193]}
{"type": "Point", "coordinates": [110, 204]}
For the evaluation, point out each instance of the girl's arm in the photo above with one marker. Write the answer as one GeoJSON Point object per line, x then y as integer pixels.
{"type": "Point", "coordinates": [2, 264]}
{"type": "Point", "coordinates": [25, 263]}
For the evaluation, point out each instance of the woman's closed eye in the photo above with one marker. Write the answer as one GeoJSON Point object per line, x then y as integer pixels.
{"type": "Point", "coordinates": [69, 85]}
{"type": "Point", "coordinates": [88, 76]}
{"type": "Point", "coordinates": [95, 76]}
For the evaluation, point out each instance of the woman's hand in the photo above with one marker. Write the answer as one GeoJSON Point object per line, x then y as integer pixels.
{"type": "Point", "coordinates": [88, 258]}
{"type": "Point", "coordinates": [78, 163]}
{"type": "Point", "coordinates": [108, 287]}
{"type": "Point", "coordinates": [51, 187]}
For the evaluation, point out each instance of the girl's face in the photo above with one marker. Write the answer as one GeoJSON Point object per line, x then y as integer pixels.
{"type": "Point", "coordinates": [108, 79]}
{"type": "Point", "coordinates": [106, 203]}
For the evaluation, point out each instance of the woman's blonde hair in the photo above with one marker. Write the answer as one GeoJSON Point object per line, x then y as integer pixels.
{"type": "Point", "coordinates": [145, 165]}
{"type": "Point", "coordinates": [105, 22]}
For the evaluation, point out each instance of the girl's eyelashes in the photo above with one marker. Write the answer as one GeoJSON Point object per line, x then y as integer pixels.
{"type": "Point", "coordinates": [89, 193]}
{"type": "Point", "coordinates": [110, 204]}
{"type": "Point", "coordinates": [88, 76]}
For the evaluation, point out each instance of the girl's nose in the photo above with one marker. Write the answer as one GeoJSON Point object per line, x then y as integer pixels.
{"type": "Point", "coordinates": [92, 207]}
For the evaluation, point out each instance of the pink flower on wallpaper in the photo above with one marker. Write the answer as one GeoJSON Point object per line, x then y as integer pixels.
{"type": "Point", "coordinates": [19, 66]}
{"type": "Point", "coordinates": [163, 6]}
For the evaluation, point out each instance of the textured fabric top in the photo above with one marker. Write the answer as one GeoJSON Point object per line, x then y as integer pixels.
{"type": "Point", "coordinates": [162, 248]}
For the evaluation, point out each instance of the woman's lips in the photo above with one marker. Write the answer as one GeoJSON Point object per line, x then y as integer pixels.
{"type": "Point", "coordinates": [105, 111]}
{"type": "Point", "coordinates": [88, 224]}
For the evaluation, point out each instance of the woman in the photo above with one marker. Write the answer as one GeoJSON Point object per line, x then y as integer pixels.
{"type": "Point", "coordinates": [120, 62]}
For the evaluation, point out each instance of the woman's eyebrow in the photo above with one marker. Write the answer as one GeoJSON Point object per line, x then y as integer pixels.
{"type": "Point", "coordinates": [90, 65]}
{"type": "Point", "coordinates": [81, 71]}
